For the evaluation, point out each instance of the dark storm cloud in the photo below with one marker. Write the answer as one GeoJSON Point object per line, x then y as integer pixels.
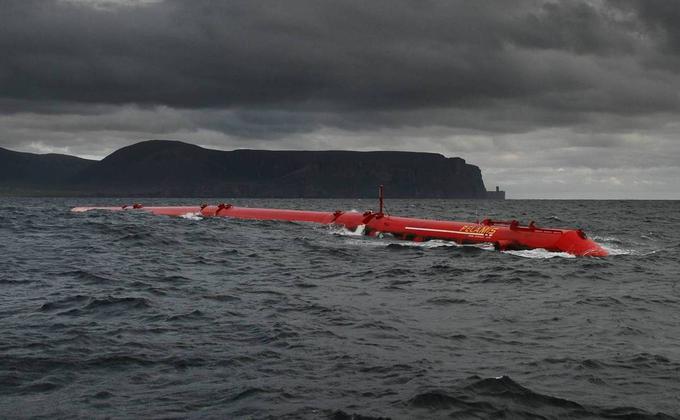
{"type": "Point", "coordinates": [659, 19]}
{"type": "Point", "coordinates": [548, 97]}
{"type": "Point", "coordinates": [378, 55]}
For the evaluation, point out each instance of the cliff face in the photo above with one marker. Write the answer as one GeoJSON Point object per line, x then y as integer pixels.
{"type": "Point", "coordinates": [170, 168]}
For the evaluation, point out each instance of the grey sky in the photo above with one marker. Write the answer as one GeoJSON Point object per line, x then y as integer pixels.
{"type": "Point", "coordinates": [569, 99]}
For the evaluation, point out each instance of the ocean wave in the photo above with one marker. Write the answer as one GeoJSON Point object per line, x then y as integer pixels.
{"type": "Point", "coordinates": [502, 397]}
{"type": "Point", "coordinates": [194, 315]}
{"type": "Point", "coordinates": [80, 304]}
{"type": "Point", "coordinates": [447, 301]}
{"type": "Point", "coordinates": [112, 305]}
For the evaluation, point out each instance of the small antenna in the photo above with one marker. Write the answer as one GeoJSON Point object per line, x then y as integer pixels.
{"type": "Point", "coordinates": [381, 198]}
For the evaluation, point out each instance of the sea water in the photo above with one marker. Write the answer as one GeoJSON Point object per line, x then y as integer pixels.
{"type": "Point", "coordinates": [132, 315]}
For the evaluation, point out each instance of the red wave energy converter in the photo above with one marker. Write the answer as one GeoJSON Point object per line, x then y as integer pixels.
{"type": "Point", "coordinates": [504, 235]}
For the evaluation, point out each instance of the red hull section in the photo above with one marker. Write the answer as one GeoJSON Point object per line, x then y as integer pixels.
{"type": "Point", "coordinates": [503, 235]}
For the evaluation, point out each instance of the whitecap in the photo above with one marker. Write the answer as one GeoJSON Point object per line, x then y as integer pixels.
{"type": "Point", "coordinates": [343, 231]}
{"type": "Point", "coordinates": [366, 242]}
{"type": "Point", "coordinates": [539, 253]}
{"type": "Point", "coordinates": [615, 250]}
{"type": "Point", "coordinates": [437, 243]}
{"type": "Point", "coordinates": [434, 243]}
{"type": "Point", "coordinates": [192, 216]}
{"type": "Point", "coordinates": [613, 245]}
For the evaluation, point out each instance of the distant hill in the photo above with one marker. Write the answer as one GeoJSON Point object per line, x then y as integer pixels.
{"type": "Point", "coordinates": [32, 173]}
{"type": "Point", "coordinates": [173, 168]}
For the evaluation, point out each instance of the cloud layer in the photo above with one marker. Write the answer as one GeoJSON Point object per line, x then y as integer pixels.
{"type": "Point", "coordinates": [558, 99]}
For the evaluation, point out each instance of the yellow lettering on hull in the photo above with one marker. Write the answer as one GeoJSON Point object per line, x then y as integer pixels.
{"type": "Point", "coordinates": [479, 229]}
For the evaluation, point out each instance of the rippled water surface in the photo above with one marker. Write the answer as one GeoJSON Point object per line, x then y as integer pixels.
{"type": "Point", "coordinates": [133, 315]}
